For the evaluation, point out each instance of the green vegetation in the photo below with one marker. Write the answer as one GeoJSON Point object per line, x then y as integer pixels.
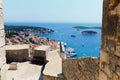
{"type": "Point", "coordinates": [11, 34]}
{"type": "Point", "coordinates": [27, 29]}
{"type": "Point", "coordinates": [89, 32]}
{"type": "Point", "coordinates": [84, 27]}
{"type": "Point", "coordinates": [31, 40]}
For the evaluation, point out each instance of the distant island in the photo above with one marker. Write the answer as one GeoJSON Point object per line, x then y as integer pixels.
{"type": "Point", "coordinates": [89, 32]}
{"type": "Point", "coordinates": [27, 29]}
{"type": "Point", "coordinates": [84, 27]}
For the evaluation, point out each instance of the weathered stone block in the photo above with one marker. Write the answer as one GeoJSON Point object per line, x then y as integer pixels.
{"type": "Point", "coordinates": [2, 59]}
{"type": "Point", "coordinates": [80, 69]}
{"type": "Point", "coordinates": [47, 77]}
{"type": "Point", "coordinates": [110, 46]}
{"type": "Point", "coordinates": [1, 12]}
{"type": "Point", "coordinates": [118, 63]}
{"type": "Point", "coordinates": [4, 70]}
{"type": "Point", "coordinates": [17, 55]}
{"type": "Point", "coordinates": [2, 52]}
{"type": "Point", "coordinates": [1, 22]}
{"type": "Point", "coordinates": [1, 33]}
{"type": "Point", "coordinates": [117, 53]}
{"type": "Point", "coordinates": [102, 76]}
{"type": "Point", "coordinates": [113, 59]}
{"type": "Point", "coordinates": [118, 71]}
{"type": "Point", "coordinates": [104, 57]}
{"type": "Point", "coordinates": [118, 10]}
{"type": "Point", "coordinates": [2, 62]}
{"type": "Point", "coordinates": [1, 4]}
{"type": "Point", "coordinates": [2, 41]}
{"type": "Point", "coordinates": [13, 66]}
{"type": "Point", "coordinates": [115, 76]}
{"type": "Point", "coordinates": [41, 51]}
{"type": "Point", "coordinates": [107, 70]}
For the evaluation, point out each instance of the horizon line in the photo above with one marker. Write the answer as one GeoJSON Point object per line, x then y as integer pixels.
{"type": "Point", "coordinates": [56, 22]}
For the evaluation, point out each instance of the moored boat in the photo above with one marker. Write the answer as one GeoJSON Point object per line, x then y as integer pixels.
{"type": "Point", "coordinates": [70, 52]}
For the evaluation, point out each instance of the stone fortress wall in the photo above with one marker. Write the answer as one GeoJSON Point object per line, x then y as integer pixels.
{"type": "Point", "coordinates": [110, 49]}
{"type": "Point", "coordinates": [80, 69]}
{"type": "Point", "coordinates": [2, 43]}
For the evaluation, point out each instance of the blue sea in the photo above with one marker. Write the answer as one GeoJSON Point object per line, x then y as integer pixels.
{"type": "Point", "coordinates": [84, 45]}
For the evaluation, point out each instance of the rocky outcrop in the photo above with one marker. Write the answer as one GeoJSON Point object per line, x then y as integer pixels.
{"type": "Point", "coordinates": [81, 69]}
{"type": "Point", "coordinates": [110, 49]}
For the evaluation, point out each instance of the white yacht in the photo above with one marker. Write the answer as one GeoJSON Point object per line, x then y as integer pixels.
{"type": "Point", "coordinates": [70, 52]}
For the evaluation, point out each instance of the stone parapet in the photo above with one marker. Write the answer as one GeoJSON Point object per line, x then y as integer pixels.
{"type": "Point", "coordinates": [47, 77]}
{"type": "Point", "coordinates": [81, 69]}
{"type": "Point", "coordinates": [53, 68]}
{"type": "Point", "coordinates": [2, 34]}
{"type": "Point", "coordinates": [17, 53]}
{"type": "Point", "coordinates": [40, 53]}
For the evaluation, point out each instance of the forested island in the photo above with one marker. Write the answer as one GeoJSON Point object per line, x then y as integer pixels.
{"type": "Point", "coordinates": [89, 32]}
{"type": "Point", "coordinates": [27, 29]}
{"type": "Point", "coordinates": [84, 27]}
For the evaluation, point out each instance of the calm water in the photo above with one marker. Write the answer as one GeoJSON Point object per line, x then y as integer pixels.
{"type": "Point", "coordinates": [63, 32]}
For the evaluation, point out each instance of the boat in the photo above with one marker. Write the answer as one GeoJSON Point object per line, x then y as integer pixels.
{"type": "Point", "coordinates": [70, 52]}
{"type": "Point", "coordinates": [73, 35]}
{"type": "Point", "coordinates": [68, 55]}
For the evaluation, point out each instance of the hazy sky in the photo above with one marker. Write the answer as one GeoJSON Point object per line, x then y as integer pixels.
{"type": "Point", "coordinates": [53, 11]}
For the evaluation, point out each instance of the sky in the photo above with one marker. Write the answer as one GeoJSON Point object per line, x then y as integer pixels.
{"type": "Point", "coordinates": [76, 11]}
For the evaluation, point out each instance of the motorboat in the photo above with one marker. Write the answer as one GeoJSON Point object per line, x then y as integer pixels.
{"type": "Point", "coordinates": [70, 52]}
